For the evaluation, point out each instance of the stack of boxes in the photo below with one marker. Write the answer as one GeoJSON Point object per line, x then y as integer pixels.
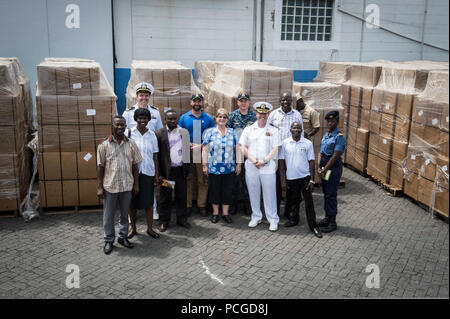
{"type": "Point", "coordinates": [205, 76]}
{"type": "Point", "coordinates": [14, 161]}
{"type": "Point", "coordinates": [75, 105]}
{"type": "Point", "coordinates": [171, 81]}
{"type": "Point", "coordinates": [426, 163]}
{"type": "Point", "coordinates": [357, 101]}
{"type": "Point", "coordinates": [390, 120]}
{"type": "Point", "coordinates": [262, 82]}
{"type": "Point", "coordinates": [323, 97]}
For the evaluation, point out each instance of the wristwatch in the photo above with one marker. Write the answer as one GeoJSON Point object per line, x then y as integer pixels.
{"type": "Point", "coordinates": [311, 181]}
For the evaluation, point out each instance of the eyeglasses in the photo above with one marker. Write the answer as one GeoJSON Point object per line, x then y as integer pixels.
{"type": "Point", "coordinates": [222, 117]}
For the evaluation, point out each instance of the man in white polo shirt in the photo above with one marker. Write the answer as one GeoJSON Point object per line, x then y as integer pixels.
{"type": "Point", "coordinates": [297, 157]}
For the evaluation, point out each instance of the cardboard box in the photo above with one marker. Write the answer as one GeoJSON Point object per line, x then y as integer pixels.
{"type": "Point", "coordinates": [385, 145]}
{"type": "Point", "coordinates": [364, 74]}
{"type": "Point", "coordinates": [11, 109]}
{"type": "Point", "coordinates": [402, 129]}
{"type": "Point", "coordinates": [71, 138]}
{"type": "Point", "coordinates": [387, 124]}
{"type": "Point", "coordinates": [64, 109]}
{"type": "Point", "coordinates": [12, 138]}
{"type": "Point", "coordinates": [68, 78]}
{"type": "Point", "coordinates": [68, 193]}
{"type": "Point", "coordinates": [365, 119]}
{"type": "Point", "coordinates": [399, 151]}
{"type": "Point", "coordinates": [67, 166]}
{"type": "Point", "coordinates": [411, 187]}
{"type": "Point", "coordinates": [375, 122]}
{"type": "Point", "coordinates": [396, 176]}
{"type": "Point", "coordinates": [362, 139]}
{"type": "Point", "coordinates": [441, 202]}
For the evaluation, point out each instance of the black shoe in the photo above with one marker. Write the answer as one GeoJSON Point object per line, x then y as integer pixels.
{"type": "Point", "coordinates": [125, 242]}
{"type": "Point", "coordinates": [317, 232]}
{"type": "Point", "coordinates": [331, 226]}
{"type": "Point", "coordinates": [108, 248]}
{"type": "Point", "coordinates": [214, 218]}
{"type": "Point", "coordinates": [227, 218]}
{"type": "Point", "coordinates": [233, 209]}
{"type": "Point", "coordinates": [153, 234]}
{"type": "Point", "coordinates": [324, 222]}
{"type": "Point", "coordinates": [290, 223]}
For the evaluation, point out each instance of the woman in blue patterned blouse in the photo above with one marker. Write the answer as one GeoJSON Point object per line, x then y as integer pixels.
{"type": "Point", "coordinates": [219, 164]}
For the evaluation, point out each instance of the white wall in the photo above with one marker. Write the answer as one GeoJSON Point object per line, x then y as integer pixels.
{"type": "Point", "coordinates": [403, 17]}
{"type": "Point", "coordinates": [186, 31]}
{"type": "Point", "coordinates": [35, 29]}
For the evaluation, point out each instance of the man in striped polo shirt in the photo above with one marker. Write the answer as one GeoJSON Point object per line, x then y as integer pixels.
{"type": "Point", "coordinates": [117, 180]}
{"type": "Point", "coordinates": [282, 118]}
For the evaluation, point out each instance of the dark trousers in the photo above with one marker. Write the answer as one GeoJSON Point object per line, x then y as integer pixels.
{"type": "Point", "coordinates": [240, 191]}
{"type": "Point", "coordinates": [295, 189]}
{"type": "Point", "coordinates": [330, 187]}
{"type": "Point", "coordinates": [165, 193]}
{"type": "Point", "coordinates": [281, 178]}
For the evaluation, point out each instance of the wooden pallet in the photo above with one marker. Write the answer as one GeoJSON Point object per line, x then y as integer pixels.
{"type": "Point", "coordinates": [9, 213]}
{"type": "Point", "coordinates": [435, 212]}
{"type": "Point", "coordinates": [350, 167]}
{"type": "Point", "coordinates": [394, 190]}
{"type": "Point", "coordinates": [71, 210]}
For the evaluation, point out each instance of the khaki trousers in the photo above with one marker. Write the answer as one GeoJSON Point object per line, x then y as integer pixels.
{"type": "Point", "coordinates": [197, 180]}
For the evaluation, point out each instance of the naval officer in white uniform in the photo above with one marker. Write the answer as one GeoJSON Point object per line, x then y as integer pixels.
{"type": "Point", "coordinates": [260, 143]}
{"type": "Point", "coordinates": [143, 92]}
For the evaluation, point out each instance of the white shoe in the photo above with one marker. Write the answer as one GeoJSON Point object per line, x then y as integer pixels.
{"type": "Point", "coordinates": [273, 227]}
{"type": "Point", "coordinates": [155, 215]}
{"type": "Point", "coordinates": [254, 223]}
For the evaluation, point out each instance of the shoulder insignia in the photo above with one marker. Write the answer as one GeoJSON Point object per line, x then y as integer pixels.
{"type": "Point", "coordinates": [129, 108]}
{"type": "Point", "coordinates": [340, 134]}
{"type": "Point", "coordinates": [154, 107]}
{"type": "Point", "coordinates": [273, 125]}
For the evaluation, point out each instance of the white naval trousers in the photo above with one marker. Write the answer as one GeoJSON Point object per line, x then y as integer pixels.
{"type": "Point", "coordinates": [265, 177]}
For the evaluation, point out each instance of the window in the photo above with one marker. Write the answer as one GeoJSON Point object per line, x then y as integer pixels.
{"type": "Point", "coordinates": [307, 20]}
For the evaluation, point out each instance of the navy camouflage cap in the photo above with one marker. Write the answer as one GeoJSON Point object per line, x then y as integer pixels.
{"type": "Point", "coordinates": [243, 95]}
{"type": "Point", "coordinates": [332, 115]}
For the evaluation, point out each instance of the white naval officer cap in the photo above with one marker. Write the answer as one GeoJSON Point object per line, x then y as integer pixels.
{"type": "Point", "coordinates": [262, 107]}
{"type": "Point", "coordinates": [144, 87]}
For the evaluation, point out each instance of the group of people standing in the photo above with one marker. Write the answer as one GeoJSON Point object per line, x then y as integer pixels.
{"type": "Point", "coordinates": [228, 159]}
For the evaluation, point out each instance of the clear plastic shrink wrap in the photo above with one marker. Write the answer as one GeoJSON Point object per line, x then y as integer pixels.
{"type": "Point", "coordinates": [323, 97]}
{"type": "Point", "coordinates": [173, 84]}
{"type": "Point", "coordinates": [425, 165]}
{"type": "Point", "coordinates": [262, 82]}
{"type": "Point", "coordinates": [14, 160]}
{"type": "Point", "coordinates": [390, 118]}
{"type": "Point", "coordinates": [75, 105]}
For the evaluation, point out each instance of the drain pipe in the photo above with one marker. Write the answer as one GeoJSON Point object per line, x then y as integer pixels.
{"type": "Point", "coordinates": [113, 44]}
{"type": "Point", "coordinates": [423, 29]}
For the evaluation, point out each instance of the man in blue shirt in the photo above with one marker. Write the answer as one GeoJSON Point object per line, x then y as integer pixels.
{"type": "Point", "coordinates": [239, 119]}
{"type": "Point", "coordinates": [196, 122]}
{"type": "Point", "coordinates": [331, 149]}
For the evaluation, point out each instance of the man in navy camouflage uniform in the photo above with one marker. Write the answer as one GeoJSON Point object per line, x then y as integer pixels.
{"type": "Point", "coordinates": [238, 120]}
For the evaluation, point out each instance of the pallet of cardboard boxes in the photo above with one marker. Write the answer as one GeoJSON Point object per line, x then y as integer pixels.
{"type": "Point", "coordinates": [14, 155]}
{"type": "Point", "coordinates": [75, 105]}
{"type": "Point", "coordinates": [171, 80]}
{"type": "Point", "coordinates": [426, 163]}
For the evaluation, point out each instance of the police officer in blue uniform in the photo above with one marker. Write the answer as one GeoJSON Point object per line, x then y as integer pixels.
{"type": "Point", "coordinates": [331, 149]}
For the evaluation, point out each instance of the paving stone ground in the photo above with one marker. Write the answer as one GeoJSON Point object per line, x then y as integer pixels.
{"type": "Point", "coordinates": [410, 247]}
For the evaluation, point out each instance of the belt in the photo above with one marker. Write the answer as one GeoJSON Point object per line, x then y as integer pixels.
{"type": "Point", "coordinates": [325, 156]}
